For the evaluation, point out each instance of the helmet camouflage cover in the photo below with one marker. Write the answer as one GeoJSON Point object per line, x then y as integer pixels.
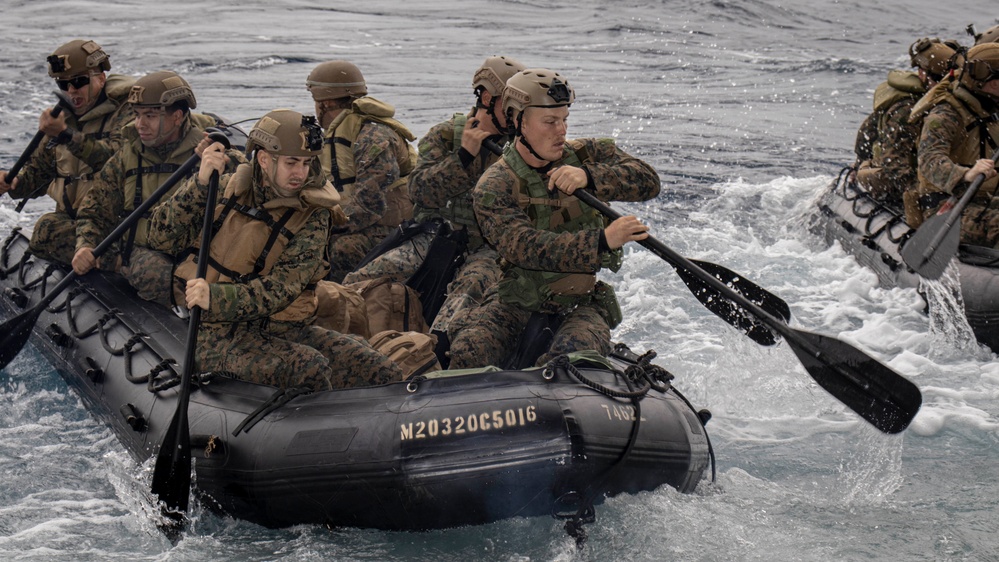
{"type": "Point", "coordinates": [286, 133]}
{"type": "Point", "coordinates": [161, 89]}
{"type": "Point", "coordinates": [990, 35]}
{"type": "Point", "coordinates": [536, 87]}
{"type": "Point", "coordinates": [934, 56]}
{"type": "Point", "coordinates": [77, 57]}
{"type": "Point", "coordinates": [336, 79]}
{"type": "Point", "coordinates": [494, 73]}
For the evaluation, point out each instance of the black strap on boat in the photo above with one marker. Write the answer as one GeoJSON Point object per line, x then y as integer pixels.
{"type": "Point", "coordinates": [585, 512]}
{"type": "Point", "coordinates": [278, 399]}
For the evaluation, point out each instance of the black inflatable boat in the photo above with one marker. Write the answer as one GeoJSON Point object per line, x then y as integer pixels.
{"type": "Point", "coordinates": [875, 234]}
{"type": "Point", "coordinates": [443, 450]}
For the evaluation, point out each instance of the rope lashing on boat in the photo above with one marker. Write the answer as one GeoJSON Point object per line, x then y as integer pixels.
{"type": "Point", "coordinates": [586, 513]}
{"type": "Point", "coordinates": [857, 195]}
{"type": "Point", "coordinates": [5, 253]}
{"type": "Point", "coordinates": [277, 400]}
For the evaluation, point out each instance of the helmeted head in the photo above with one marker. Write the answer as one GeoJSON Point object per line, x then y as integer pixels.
{"type": "Point", "coordinates": [493, 74]}
{"type": "Point", "coordinates": [488, 83]}
{"type": "Point", "coordinates": [161, 101]}
{"type": "Point", "coordinates": [990, 35]}
{"type": "Point", "coordinates": [284, 144]}
{"type": "Point", "coordinates": [79, 57]}
{"type": "Point", "coordinates": [78, 68]}
{"type": "Point", "coordinates": [535, 87]}
{"type": "Point", "coordinates": [164, 89]}
{"type": "Point", "coordinates": [980, 68]}
{"type": "Point", "coordinates": [934, 57]}
{"type": "Point", "coordinates": [284, 132]}
{"type": "Point", "coordinates": [336, 79]}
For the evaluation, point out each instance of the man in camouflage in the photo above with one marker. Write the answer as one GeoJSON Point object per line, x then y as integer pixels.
{"type": "Point", "coordinates": [77, 144]}
{"type": "Point", "coordinates": [259, 300]}
{"type": "Point", "coordinates": [163, 136]}
{"type": "Point", "coordinates": [451, 160]}
{"type": "Point", "coordinates": [553, 244]}
{"type": "Point", "coordinates": [368, 157]}
{"type": "Point", "coordinates": [886, 141]}
{"type": "Point", "coordinates": [960, 132]}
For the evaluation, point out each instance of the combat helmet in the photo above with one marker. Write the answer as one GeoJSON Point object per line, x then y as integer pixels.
{"type": "Point", "coordinates": [935, 57]}
{"type": "Point", "coordinates": [161, 89]}
{"type": "Point", "coordinates": [535, 87]}
{"type": "Point", "coordinates": [981, 66]}
{"type": "Point", "coordinates": [336, 79]}
{"type": "Point", "coordinates": [990, 35]}
{"type": "Point", "coordinates": [494, 73]}
{"type": "Point", "coordinates": [286, 133]}
{"type": "Point", "coordinates": [77, 57]}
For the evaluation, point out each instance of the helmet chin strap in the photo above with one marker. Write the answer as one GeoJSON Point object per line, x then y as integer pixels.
{"type": "Point", "coordinates": [489, 111]}
{"type": "Point", "coordinates": [523, 140]}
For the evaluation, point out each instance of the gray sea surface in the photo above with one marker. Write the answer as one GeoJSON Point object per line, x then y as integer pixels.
{"type": "Point", "coordinates": [747, 109]}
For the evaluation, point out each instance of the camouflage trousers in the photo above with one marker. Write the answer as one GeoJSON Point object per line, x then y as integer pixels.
{"type": "Point", "coordinates": [348, 249]}
{"type": "Point", "coordinates": [398, 264]}
{"type": "Point", "coordinates": [473, 279]}
{"type": "Point", "coordinates": [285, 354]}
{"type": "Point", "coordinates": [151, 274]}
{"type": "Point", "coordinates": [487, 334]}
{"type": "Point", "coordinates": [54, 237]}
{"type": "Point", "coordinates": [980, 226]}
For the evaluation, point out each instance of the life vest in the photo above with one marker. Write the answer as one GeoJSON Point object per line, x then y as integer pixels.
{"type": "Point", "coordinates": [458, 210]}
{"type": "Point", "coordinates": [547, 290]}
{"type": "Point", "coordinates": [74, 177]}
{"type": "Point", "coordinates": [248, 239]}
{"type": "Point", "coordinates": [900, 85]}
{"type": "Point", "coordinates": [145, 171]}
{"type": "Point", "coordinates": [338, 161]}
{"type": "Point", "coordinates": [978, 137]}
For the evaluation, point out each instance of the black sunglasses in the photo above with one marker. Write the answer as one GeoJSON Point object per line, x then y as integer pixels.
{"type": "Point", "coordinates": [76, 82]}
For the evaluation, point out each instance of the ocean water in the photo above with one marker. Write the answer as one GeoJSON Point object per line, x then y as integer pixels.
{"type": "Point", "coordinates": [747, 109]}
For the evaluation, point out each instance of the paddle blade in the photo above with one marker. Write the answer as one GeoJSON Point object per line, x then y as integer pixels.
{"type": "Point", "coordinates": [729, 310]}
{"type": "Point", "coordinates": [14, 333]}
{"type": "Point", "coordinates": [927, 256]}
{"type": "Point", "coordinates": [172, 474]}
{"type": "Point", "coordinates": [878, 394]}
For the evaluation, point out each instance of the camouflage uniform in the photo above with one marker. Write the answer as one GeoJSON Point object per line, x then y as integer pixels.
{"type": "Point", "coordinates": [886, 142]}
{"type": "Point", "coordinates": [68, 169]}
{"type": "Point", "coordinates": [374, 203]}
{"type": "Point", "coordinates": [105, 206]}
{"type": "Point", "coordinates": [484, 335]}
{"type": "Point", "coordinates": [241, 333]}
{"type": "Point", "coordinates": [442, 185]}
{"type": "Point", "coordinates": [957, 131]}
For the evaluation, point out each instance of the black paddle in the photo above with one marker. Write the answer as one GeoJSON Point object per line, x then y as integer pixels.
{"type": "Point", "coordinates": [936, 241]}
{"type": "Point", "coordinates": [64, 103]}
{"type": "Point", "coordinates": [14, 333]}
{"type": "Point", "coordinates": [708, 296]}
{"type": "Point", "coordinates": [172, 475]}
{"type": "Point", "coordinates": [724, 308]}
{"type": "Point", "coordinates": [881, 396]}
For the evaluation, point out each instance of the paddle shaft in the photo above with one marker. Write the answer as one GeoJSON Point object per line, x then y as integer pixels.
{"type": "Point", "coordinates": [955, 212]}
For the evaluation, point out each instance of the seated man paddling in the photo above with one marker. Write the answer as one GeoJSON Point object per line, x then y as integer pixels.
{"type": "Point", "coordinates": [268, 251]}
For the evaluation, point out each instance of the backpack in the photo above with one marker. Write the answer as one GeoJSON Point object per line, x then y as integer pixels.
{"type": "Point", "coordinates": [341, 309]}
{"type": "Point", "coordinates": [412, 351]}
{"type": "Point", "coordinates": [391, 305]}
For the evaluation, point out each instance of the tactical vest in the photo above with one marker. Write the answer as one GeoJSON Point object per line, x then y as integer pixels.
{"type": "Point", "coordinates": [338, 161]}
{"type": "Point", "coordinates": [145, 171]}
{"type": "Point", "coordinates": [978, 137]}
{"type": "Point", "coordinates": [74, 177]}
{"type": "Point", "coordinates": [547, 290]}
{"type": "Point", "coordinates": [248, 240]}
{"type": "Point", "coordinates": [458, 210]}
